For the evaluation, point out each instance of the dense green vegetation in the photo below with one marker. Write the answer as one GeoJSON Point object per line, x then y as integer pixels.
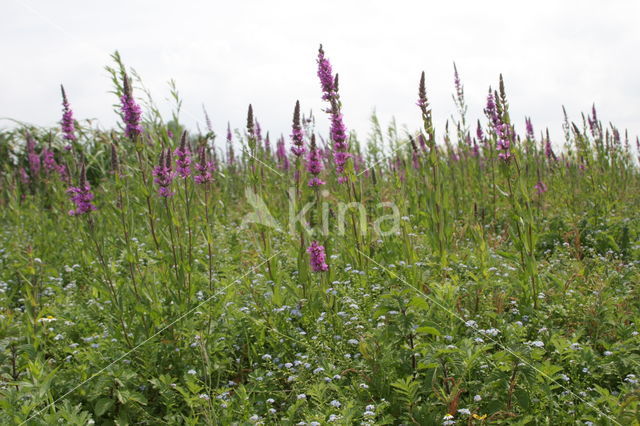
{"type": "Point", "coordinates": [497, 284]}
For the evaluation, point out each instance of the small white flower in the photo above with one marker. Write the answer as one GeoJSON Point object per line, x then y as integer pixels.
{"type": "Point", "coordinates": [464, 411]}
{"type": "Point", "coordinates": [335, 403]}
{"type": "Point", "coordinates": [266, 357]}
{"type": "Point", "coordinates": [477, 398]}
{"type": "Point", "coordinates": [192, 372]}
{"type": "Point", "coordinates": [302, 396]}
{"type": "Point", "coordinates": [364, 386]}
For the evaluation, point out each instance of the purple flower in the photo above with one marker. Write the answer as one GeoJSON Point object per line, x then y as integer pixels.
{"type": "Point", "coordinates": [548, 150]}
{"type": "Point", "coordinates": [317, 257]}
{"type": "Point", "coordinates": [131, 111]}
{"type": "Point", "coordinates": [479, 133]}
{"type": "Point", "coordinates": [281, 154]}
{"type": "Point", "coordinates": [491, 111]}
{"type": "Point", "coordinates": [81, 196]}
{"type": "Point", "coordinates": [230, 155]}
{"type": "Point", "coordinates": [163, 174]}
{"type": "Point", "coordinates": [33, 157]}
{"type": "Point", "coordinates": [258, 131]}
{"type": "Point", "coordinates": [297, 137]}
{"type": "Point", "coordinates": [267, 145]}
{"type": "Point", "coordinates": [204, 167]}
{"type": "Point", "coordinates": [67, 124]}
{"type": "Point", "coordinates": [24, 176]}
{"type": "Point", "coordinates": [540, 187]}
{"type": "Point", "coordinates": [325, 75]}
{"type": "Point", "coordinates": [314, 163]}
{"type": "Point", "coordinates": [529, 127]}
{"type": "Point", "coordinates": [183, 157]}
{"type": "Point", "coordinates": [49, 161]}
{"type": "Point", "coordinates": [338, 129]}
{"type": "Point", "coordinates": [503, 130]}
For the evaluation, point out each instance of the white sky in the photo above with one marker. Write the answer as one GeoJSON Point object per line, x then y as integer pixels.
{"type": "Point", "coordinates": [228, 54]}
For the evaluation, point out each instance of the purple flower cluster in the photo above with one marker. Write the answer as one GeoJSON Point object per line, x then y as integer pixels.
{"type": "Point", "coordinates": [230, 155]}
{"type": "Point", "coordinates": [49, 160]}
{"type": "Point", "coordinates": [131, 111]}
{"type": "Point", "coordinates": [479, 132]}
{"type": "Point", "coordinates": [33, 157]}
{"type": "Point", "coordinates": [297, 137]}
{"type": "Point", "coordinates": [540, 187]}
{"type": "Point", "coordinates": [183, 158]}
{"type": "Point", "coordinates": [67, 125]}
{"type": "Point", "coordinates": [81, 196]}
{"type": "Point", "coordinates": [529, 127]}
{"type": "Point", "coordinates": [317, 257]}
{"type": "Point", "coordinates": [338, 129]}
{"type": "Point", "coordinates": [163, 174]}
{"type": "Point", "coordinates": [204, 167]}
{"type": "Point", "coordinates": [325, 75]}
{"type": "Point", "coordinates": [281, 154]}
{"type": "Point", "coordinates": [503, 130]}
{"type": "Point", "coordinates": [314, 164]}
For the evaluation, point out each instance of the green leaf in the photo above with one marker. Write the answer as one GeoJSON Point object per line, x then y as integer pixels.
{"type": "Point", "coordinates": [102, 406]}
{"type": "Point", "coordinates": [428, 330]}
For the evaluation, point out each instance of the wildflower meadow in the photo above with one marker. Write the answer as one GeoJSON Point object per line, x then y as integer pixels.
{"type": "Point", "coordinates": [478, 273]}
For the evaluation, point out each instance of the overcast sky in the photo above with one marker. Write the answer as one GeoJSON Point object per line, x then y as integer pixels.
{"type": "Point", "coordinates": [228, 54]}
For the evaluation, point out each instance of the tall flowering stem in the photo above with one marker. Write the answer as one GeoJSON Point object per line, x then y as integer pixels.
{"type": "Point", "coordinates": [183, 168]}
{"type": "Point", "coordinates": [437, 207]}
{"type": "Point", "coordinates": [67, 124]}
{"type": "Point", "coordinates": [230, 154]}
{"type": "Point", "coordinates": [329, 85]}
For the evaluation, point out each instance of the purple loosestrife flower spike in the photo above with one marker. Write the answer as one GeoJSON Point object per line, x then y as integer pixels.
{"type": "Point", "coordinates": [250, 122]}
{"type": "Point", "coordinates": [314, 163]}
{"type": "Point", "coordinates": [49, 161]}
{"type": "Point", "coordinates": [325, 75]}
{"type": "Point", "coordinates": [281, 154]}
{"type": "Point", "coordinates": [183, 157]}
{"type": "Point", "coordinates": [163, 175]}
{"type": "Point", "coordinates": [131, 111]}
{"type": "Point", "coordinates": [479, 132]}
{"type": "Point", "coordinates": [338, 129]}
{"type": "Point", "coordinates": [258, 130]}
{"type": "Point", "coordinates": [67, 125]}
{"type": "Point", "coordinates": [267, 145]}
{"type": "Point", "coordinates": [540, 187]}
{"type": "Point", "coordinates": [81, 196]}
{"type": "Point", "coordinates": [529, 127]}
{"type": "Point", "coordinates": [33, 157]}
{"type": "Point", "coordinates": [317, 257]}
{"type": "Point", "coordinates": [297, 137]}
{"type": "Point", "coordinates": [502, 130]}
{"type": "Point", "coordinates": [24, 176]}
{"type": "Point", "coordinates": [204, 167]}
{"type": "Point", "coordinates": [230, 155]}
